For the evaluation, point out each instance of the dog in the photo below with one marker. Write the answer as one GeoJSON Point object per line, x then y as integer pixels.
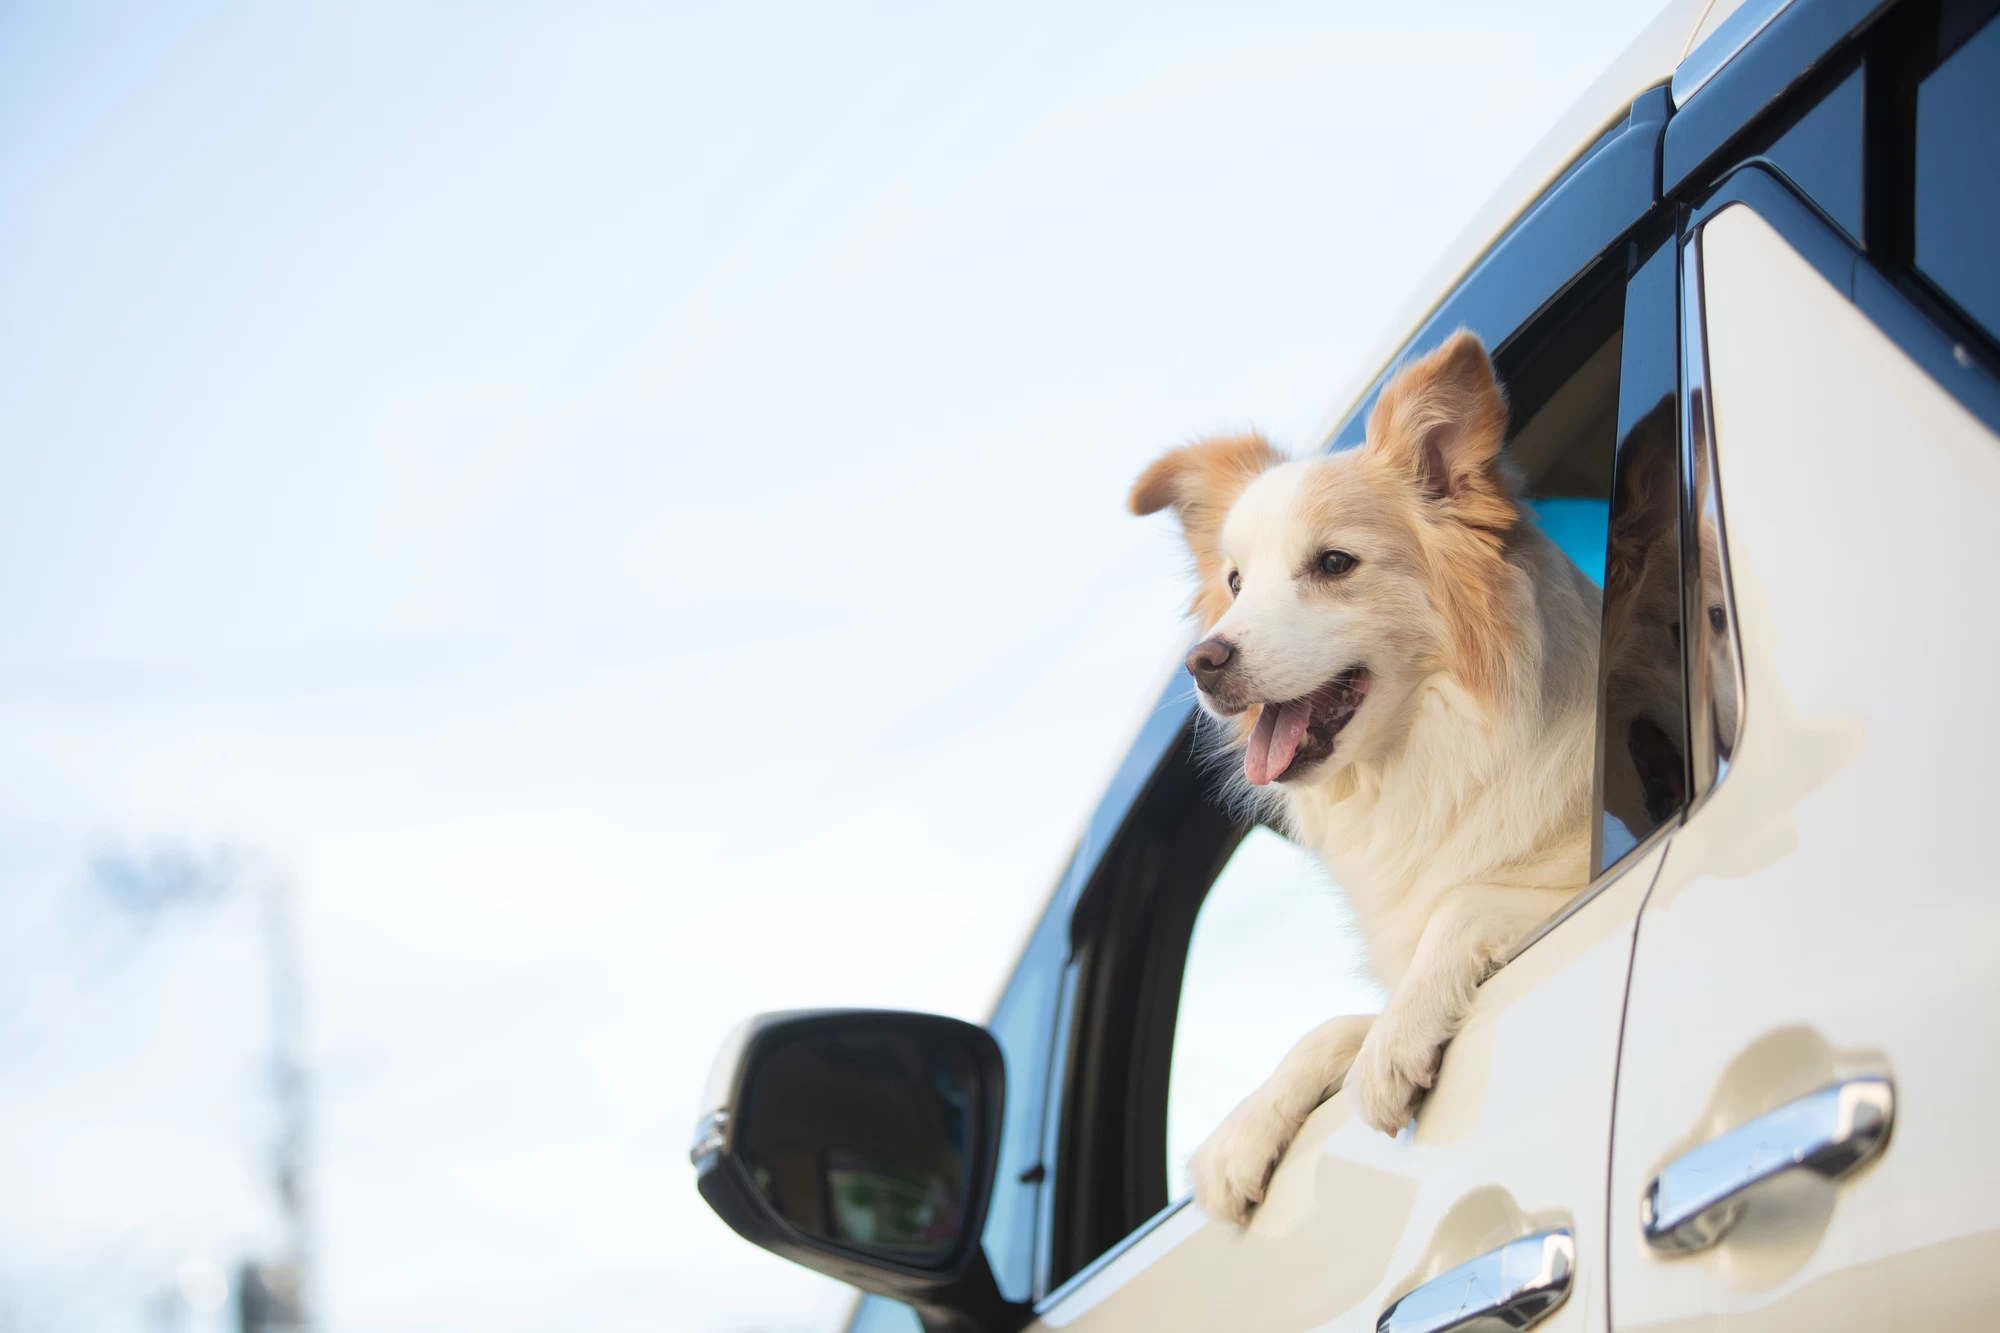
{"type": "Point", "coordinates": [1409, 668]}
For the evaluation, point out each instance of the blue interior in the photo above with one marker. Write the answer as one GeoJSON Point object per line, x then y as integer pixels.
{"type": "Point", "coordinates": [1579, 527]}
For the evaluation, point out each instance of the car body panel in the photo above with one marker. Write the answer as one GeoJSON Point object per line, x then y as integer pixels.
{"type": "Point", "coordinates": [1514, 1138]}
{"type": "Point", "coordinates": [1829, 909]}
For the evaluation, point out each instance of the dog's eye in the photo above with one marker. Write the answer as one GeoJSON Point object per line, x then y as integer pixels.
{"type": "Point", "coordinates": [1716, 620]}
{"type": "Point", "coordinates": [1336, 562]}
{"type": "Point", "coordinates": [1235, 583]}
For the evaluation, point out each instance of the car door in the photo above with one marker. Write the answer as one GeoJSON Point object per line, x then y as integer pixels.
{"type": "Point", "coordinates": [1511, 1147]}
{"type": "Point", "coordinates": [1814, 979]}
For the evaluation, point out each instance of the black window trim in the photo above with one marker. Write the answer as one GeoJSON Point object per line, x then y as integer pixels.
{"type": "Point", "coordinates": [1166, 734]}
{"type": "Point", "coordinates": [1560, 241]}
{"type": "Point", "coordinates": [1710, 143]}
{"type": "Point", "coordinates": [1929, 337]}
{"type": "Point", "coordinates": [1785, 54]}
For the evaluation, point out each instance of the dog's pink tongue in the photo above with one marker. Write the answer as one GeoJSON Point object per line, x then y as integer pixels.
{"type": "Point", "coordinates": [1275, 741]}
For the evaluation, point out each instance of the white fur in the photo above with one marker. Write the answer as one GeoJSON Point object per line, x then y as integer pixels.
{"type": "Point", "coordinates": [1454, 824]}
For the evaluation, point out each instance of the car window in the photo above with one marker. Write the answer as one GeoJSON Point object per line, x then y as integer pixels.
{"type": "Point", "coordinates": [1024, 1024]}
{"type": "Point", "coordinates": [1168, 1019]}
{"type": "Point", "coordinates": [1274, 953]}
{"type": "Point", "coordinates": [1593, 439]}
{"type": "Point", "coordinates": [879, 1314]}
{"type": "Point", "coordinates": [1642, 766]}
{"type": "Point", "coordinates": [1958, 172]}
{"type": "Point", "coordinates": [1821, 153]}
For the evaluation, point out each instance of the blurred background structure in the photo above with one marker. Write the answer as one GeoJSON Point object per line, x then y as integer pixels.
{"type": "Point", "coordinates": [621, 506]}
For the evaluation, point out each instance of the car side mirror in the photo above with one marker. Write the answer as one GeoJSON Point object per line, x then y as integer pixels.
{"type": "Point", "coordinates": [862, 1143]}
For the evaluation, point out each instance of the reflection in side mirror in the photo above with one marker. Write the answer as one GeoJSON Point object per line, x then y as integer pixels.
{"type": "Point", "coordinates": [864, 1138]}
{"type": "Point", "coordinates": [862, 1144]}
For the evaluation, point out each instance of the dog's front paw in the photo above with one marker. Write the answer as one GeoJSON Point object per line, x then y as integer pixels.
{"type": "Point", "coordinates": [1232, 1169]}
{"type": "Point", "coordinates": [1390, 1074]}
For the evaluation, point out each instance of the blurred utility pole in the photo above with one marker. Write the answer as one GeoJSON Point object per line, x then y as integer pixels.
{"type": "Point", "coordinates": [293, 1096]}
{"type": "Point", "coordinates": [272, 1296]}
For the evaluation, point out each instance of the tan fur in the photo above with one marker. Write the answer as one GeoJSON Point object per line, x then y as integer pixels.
{"type": "Point", "coordinates": [1443, 420]}
{"type": "Point", "coordinates": [1200, 482]}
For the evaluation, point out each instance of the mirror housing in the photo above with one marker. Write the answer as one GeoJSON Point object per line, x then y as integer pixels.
{"type": "Point", "coordinates": [862, 1144]}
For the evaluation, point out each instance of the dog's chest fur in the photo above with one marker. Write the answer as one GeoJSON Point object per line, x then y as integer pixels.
{"type": "Point", "coordinates": [1475, 795]}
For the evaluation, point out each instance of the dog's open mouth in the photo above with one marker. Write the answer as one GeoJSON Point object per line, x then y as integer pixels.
{"type": "Point", "coordinates": [1292, 736]}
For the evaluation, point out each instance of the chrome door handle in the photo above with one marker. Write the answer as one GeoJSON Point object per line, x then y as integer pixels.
{"type": "Point", "coordinates": [1511, 1287]}
{"type": "Point", "coordinates": [1691, 1204]}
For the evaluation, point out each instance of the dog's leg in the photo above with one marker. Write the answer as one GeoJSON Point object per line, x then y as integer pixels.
{"type": "Point", "coordinates": [1232, 1168]}
{"type": "Point", "coordinates": [1465, 940]}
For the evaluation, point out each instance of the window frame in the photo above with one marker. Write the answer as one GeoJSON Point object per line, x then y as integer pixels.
{"type": "Point", "coordinates": [1714, 155]}
{"type": "Point", "coordinates": [1575, 238]}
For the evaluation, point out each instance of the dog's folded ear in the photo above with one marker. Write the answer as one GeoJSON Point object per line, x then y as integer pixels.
{"type": "Point", "coordinates": [1442, 419]}
{"type": "Point", "coordinates": [1201, 480]}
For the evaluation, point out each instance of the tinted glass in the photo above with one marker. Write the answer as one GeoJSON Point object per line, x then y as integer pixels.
{"type": "Point", "coordinates": [1565, 418]}
{"type": "Point", "coordinates": [865, 1139]}
{"type": "Point", "coordinates": [1958, 177]}
{"type": "Point", "coordinates": [878, 1314]}
{"type": "Point", "coordinates": [1642, 765]}
{"type": "Point", "coordinates": [1024, 1024]}
{"type": "Point", "coordinates": [1822, 153]}
{"type": "Point", "coordinates": [1274, 953]}
{"type": "Point", "coordinates": [1597, 447]}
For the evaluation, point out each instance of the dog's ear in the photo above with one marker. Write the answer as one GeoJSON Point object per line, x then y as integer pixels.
{"type": "Point", "coordinates": [1439, 425]}
{"type": "Point", "coordinates": [1200, 482]}
{"type": "Point", "coordinates": [1442, 420]}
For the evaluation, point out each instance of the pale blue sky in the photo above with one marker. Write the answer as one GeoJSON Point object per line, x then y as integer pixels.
{"type": "Point", "coordinates": [625, 503]}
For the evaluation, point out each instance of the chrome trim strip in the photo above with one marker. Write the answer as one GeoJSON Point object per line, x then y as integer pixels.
{"type": "Point", "coordinates": [1701, 481]}
{"type": "Point", "coordinates": [1702, 753]}
{"type": "Point", "coordinates": [1723, 45]}
{"type": "Point", "coordinates": [711, 1134]}
{"type": "Point", "coordinates": [1616, 871]}
{"type": "Point", "coordinates": [1090, 1270]}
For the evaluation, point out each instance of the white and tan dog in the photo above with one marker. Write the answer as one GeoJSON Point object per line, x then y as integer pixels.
{"type": "Point", "coordinates": [1410, 666]}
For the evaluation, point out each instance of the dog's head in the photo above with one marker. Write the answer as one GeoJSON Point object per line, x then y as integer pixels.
{"type": "Point", "coordinates": [1330, 588]}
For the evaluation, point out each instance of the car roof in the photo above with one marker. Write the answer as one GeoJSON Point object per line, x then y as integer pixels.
{"type": "Point", "coordinates": [1648, 62]}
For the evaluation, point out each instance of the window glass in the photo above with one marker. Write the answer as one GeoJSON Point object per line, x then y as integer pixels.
{"type": "Point", "coordinates": [1958, 177]}
{"type": "Point", "coordinates": [1595, 442]}
{"type": "Point", "coordinates": [1564, 402]}
{"type": "Point", "coordinates": [1821, 154]}
{"type": "Point", "coordinates": [1577, 525]}
{"type": "Point", "coordinates": [1274, 954]}
{"type": "Point", "coordinates": [1023, 1023]}
{"type": "Point", "coordinates": [879, 1314]}
{"type": "Point", "coordinates": [1642, 763]}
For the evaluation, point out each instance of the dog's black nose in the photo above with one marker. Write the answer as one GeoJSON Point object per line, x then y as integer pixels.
{"type": "Point", "coordinates": [1206, 660]}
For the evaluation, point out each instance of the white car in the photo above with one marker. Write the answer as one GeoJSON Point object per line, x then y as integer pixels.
{"type": "Point", "coordinates": [1748, 1079]}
